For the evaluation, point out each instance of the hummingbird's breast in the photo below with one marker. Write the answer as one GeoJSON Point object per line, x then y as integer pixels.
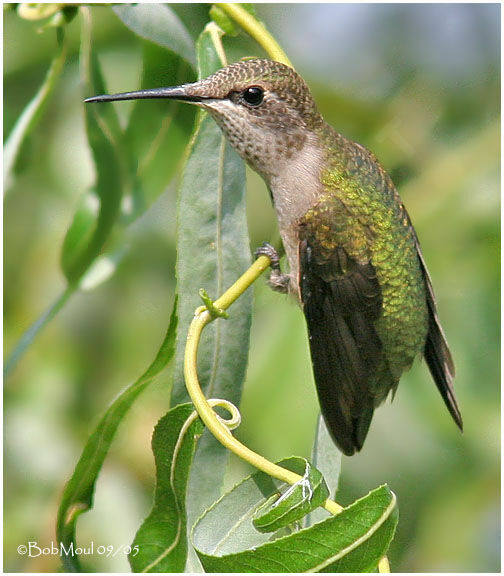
{"type": "Point", "coordinates": [295, 188]}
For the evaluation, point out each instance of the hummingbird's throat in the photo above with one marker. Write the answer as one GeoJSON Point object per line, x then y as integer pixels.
{"type": "Point", "coordinates": [267, 151]}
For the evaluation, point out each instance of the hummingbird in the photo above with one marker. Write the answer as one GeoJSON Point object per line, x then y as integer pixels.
{"type": "Point", "coordinates": [355, 263]}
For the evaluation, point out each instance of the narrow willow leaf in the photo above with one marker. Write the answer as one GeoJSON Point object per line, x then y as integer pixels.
{"type": "Point", "coordinates": [250, 8]}
{"type": "Point", "coordinates": [212, 252]}
{"type": "Point", "coordinates": [353, 541]}
{"type": "Point", "coordinates": [81, 229]}
{"type": "Point", "coordinates": [31, 333]}
{"type": "Point", "coordinates": [85, 237]}
{"type": "Point", "coordinates": [97, 213]}
{"type": "Point", "coordinates": [223, 21]}
{"type": "Point", "coordinates": [159, 24]}
{"type": "Point", "coordinates": [326, 458]}
{"type": "Point", "coordinates": [158, 131]}
{"type": "Point", "coordinates": [296, 501]}
{"type": "Point", "coordinates": [78, 494]}
{"type": "Point", "coordinates": [33, 111]}
{"type": "Point", "coordinates": [160, 544]}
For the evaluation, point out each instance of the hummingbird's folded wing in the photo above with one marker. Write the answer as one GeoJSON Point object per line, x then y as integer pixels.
{"type": "Point", "coordinates": [341, 301]}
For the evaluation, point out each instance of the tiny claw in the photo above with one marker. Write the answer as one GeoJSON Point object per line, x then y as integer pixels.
{"type": "Point", "coordinates": [210, 306]}
{"type": "Point", "coordinates": [277, 281]}
{"type": "Point", "coordinates": [267, 250]}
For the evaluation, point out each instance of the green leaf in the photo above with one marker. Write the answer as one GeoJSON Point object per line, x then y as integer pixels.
{"type": "Point", "coordinates": [250, 8]}
{"type": "Point", "coordinates": [353, 541]}
{"type": "Point", "coordinates": [159, 24]}
{"type": "Point", "coordinates": [297, 501]}
{"type": "Point", "coordinates": [87, 236]}
{"type": "Point", "coordinates": [99, 209]}
{"type": "Point", "coordinates": [78, 494]}
{"type": "Point", "coordinates": [160, 544]}
{"type": "Point", "coordinates": [81, 229]}
{"type": "Point", "coordinates": [212, 252]}
{"type": "Point", "coordinates": [326, 458]}
{"type": "Point", "coordinates": [32, 113]}
{"type": "Point", "coordinates": [31, 333]}
{"type": "Point", "coordinates": [158, 131]}
{"type": "Point", "coordinates": [223, 21]}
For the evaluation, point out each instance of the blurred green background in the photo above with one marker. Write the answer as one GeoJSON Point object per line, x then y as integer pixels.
{"type": "Point", "coordinates": [417, 84]}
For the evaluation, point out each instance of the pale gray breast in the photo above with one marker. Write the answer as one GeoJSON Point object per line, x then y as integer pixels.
{"type": "Point", "coordinates": [296, 188]}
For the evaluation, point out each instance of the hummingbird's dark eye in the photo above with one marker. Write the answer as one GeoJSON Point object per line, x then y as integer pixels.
{"type": "Point", "coordinates": [253, 95]}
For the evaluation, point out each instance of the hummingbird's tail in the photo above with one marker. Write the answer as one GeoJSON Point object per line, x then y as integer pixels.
{"type": "Point", "coordinates": [436, 351]}
{"type": "Point", "coordinates": [440, 363]}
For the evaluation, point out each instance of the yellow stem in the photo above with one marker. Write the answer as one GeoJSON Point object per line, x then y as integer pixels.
{"type": "Point", "coordinates": [216, 34]}
{"type": "Point", "coordinates": [256, 30]}
{"type": "Point", "coordinates": [384, 566]}
{"type": "Point", "coordinates": [202, 317]}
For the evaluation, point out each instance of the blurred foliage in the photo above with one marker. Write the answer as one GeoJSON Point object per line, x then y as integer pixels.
{"type": "Point", "coordinates": [420, 86]}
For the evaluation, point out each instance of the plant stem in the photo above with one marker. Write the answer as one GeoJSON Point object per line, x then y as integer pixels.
{"type": "Point", "coordinates": [256, 30]}
{"type": "Point", "coordinates": [202, 317]}
{"type": "Point", "coordinates": [216, 34]}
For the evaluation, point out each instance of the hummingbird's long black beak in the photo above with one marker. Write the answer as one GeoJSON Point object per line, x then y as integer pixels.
{"type": "Point", "coordinates": [173, 93]}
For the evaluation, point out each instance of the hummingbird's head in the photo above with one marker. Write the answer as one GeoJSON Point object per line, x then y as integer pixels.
{"type": "Point", "coordinates": [264, 108]}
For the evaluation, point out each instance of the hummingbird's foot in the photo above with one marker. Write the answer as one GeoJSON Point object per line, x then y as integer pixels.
{"type": "Point", "coordinates": [277, 281]}
{"type": "Point", "coordinates": [267, 250]}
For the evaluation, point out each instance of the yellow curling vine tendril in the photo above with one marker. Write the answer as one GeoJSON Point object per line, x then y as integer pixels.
{"type": "Point", "coordinates": [219, 427]}
{"type": "Point", "coordinates": [202, 317]}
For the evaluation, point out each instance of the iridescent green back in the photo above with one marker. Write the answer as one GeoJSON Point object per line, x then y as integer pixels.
{"type": "Point", "coordinates": [364, 214]}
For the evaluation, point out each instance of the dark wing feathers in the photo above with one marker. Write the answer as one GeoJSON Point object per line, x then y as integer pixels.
{"type": "Point", "coordinates": [341, 300]}
{"type": "Point", "coordinates": [436, 351]}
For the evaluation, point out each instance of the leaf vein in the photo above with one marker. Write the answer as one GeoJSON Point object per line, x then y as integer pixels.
{"type": "Point", "coordinates": [176, 452]}
{"type": "Point", "coordinates": [361, 540]}
{"type": "Point", "coordinates": [220, 265]}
